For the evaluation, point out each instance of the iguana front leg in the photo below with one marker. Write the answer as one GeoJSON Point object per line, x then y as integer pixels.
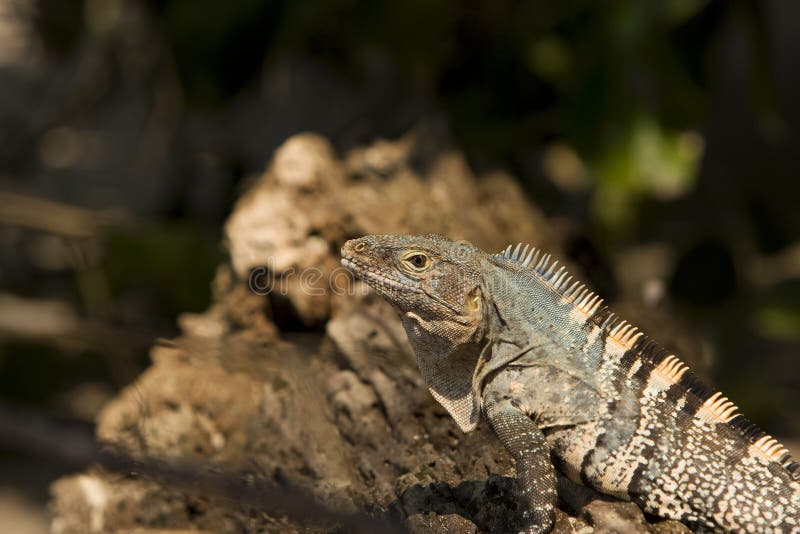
{"type": "Point", "coordinates": [536, 478]}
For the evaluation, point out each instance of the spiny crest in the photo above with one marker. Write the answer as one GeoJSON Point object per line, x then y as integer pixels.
{"type": "Point", "coordinates": [719, 407]}
{"type": "Point", "coordinates": [766, 445]}
{"type": "Point", "coordinates": [556, 277]}
{"type": "Point", "coordinates": [621, 331]}
{"type": "Point", "coordinates": [770, 446]}
{"type": "Point", "coordinates": [672, 368]}
{"type": "Point", "coordinates": [714, 407]}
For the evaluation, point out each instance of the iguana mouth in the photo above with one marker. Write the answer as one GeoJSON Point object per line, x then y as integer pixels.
{"type": "Point", "coordinates": [378, 280]}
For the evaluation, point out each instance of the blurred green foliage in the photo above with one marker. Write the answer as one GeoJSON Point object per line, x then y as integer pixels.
{"type": "Point", "coordinates": [777, 314]}
{"type": "Point", "coordinates": [624, 84]}
{"type": "Point", "coordinates": [35, 374]}
{"type": "Point", "coordinates": [171, 264]}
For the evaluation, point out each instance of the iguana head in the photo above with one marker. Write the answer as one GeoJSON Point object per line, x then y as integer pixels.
{"type": "Point", "coordinates": [436, 285]}
{"type": "Point", "coordinates": [429, 275]}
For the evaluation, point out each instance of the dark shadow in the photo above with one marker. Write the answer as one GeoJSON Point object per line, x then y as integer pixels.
{"type": "Point", "coordinates": [488, 504]}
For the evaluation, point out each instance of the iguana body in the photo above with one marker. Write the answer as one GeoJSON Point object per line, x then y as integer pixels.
{"type": "Point", "coordinates": [565, 383]}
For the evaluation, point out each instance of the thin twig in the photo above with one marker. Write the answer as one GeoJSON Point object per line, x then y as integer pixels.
{"type": "Point", "coordinates": [54, 217]}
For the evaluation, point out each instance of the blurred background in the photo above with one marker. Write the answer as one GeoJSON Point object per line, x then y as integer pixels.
{"type": "Point", "coordinates": [650, 132]}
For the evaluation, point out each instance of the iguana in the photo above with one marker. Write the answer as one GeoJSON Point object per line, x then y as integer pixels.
{"type": "Point", "coordinates": [566, 384]}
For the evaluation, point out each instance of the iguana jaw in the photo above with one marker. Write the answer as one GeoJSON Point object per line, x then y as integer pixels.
{"type": "Point", "coordinates": [378, 280]}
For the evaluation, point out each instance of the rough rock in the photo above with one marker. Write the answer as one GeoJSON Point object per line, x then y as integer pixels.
{"type": "Point", "coordinates": [305, 377]}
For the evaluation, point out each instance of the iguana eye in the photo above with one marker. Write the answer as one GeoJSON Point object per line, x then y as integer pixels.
{"type": "Point", "coordinates": [417, 262]}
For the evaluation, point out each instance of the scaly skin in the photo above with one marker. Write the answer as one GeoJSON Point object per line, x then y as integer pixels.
{"type": "Point", "coordinates": [565, 383]}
